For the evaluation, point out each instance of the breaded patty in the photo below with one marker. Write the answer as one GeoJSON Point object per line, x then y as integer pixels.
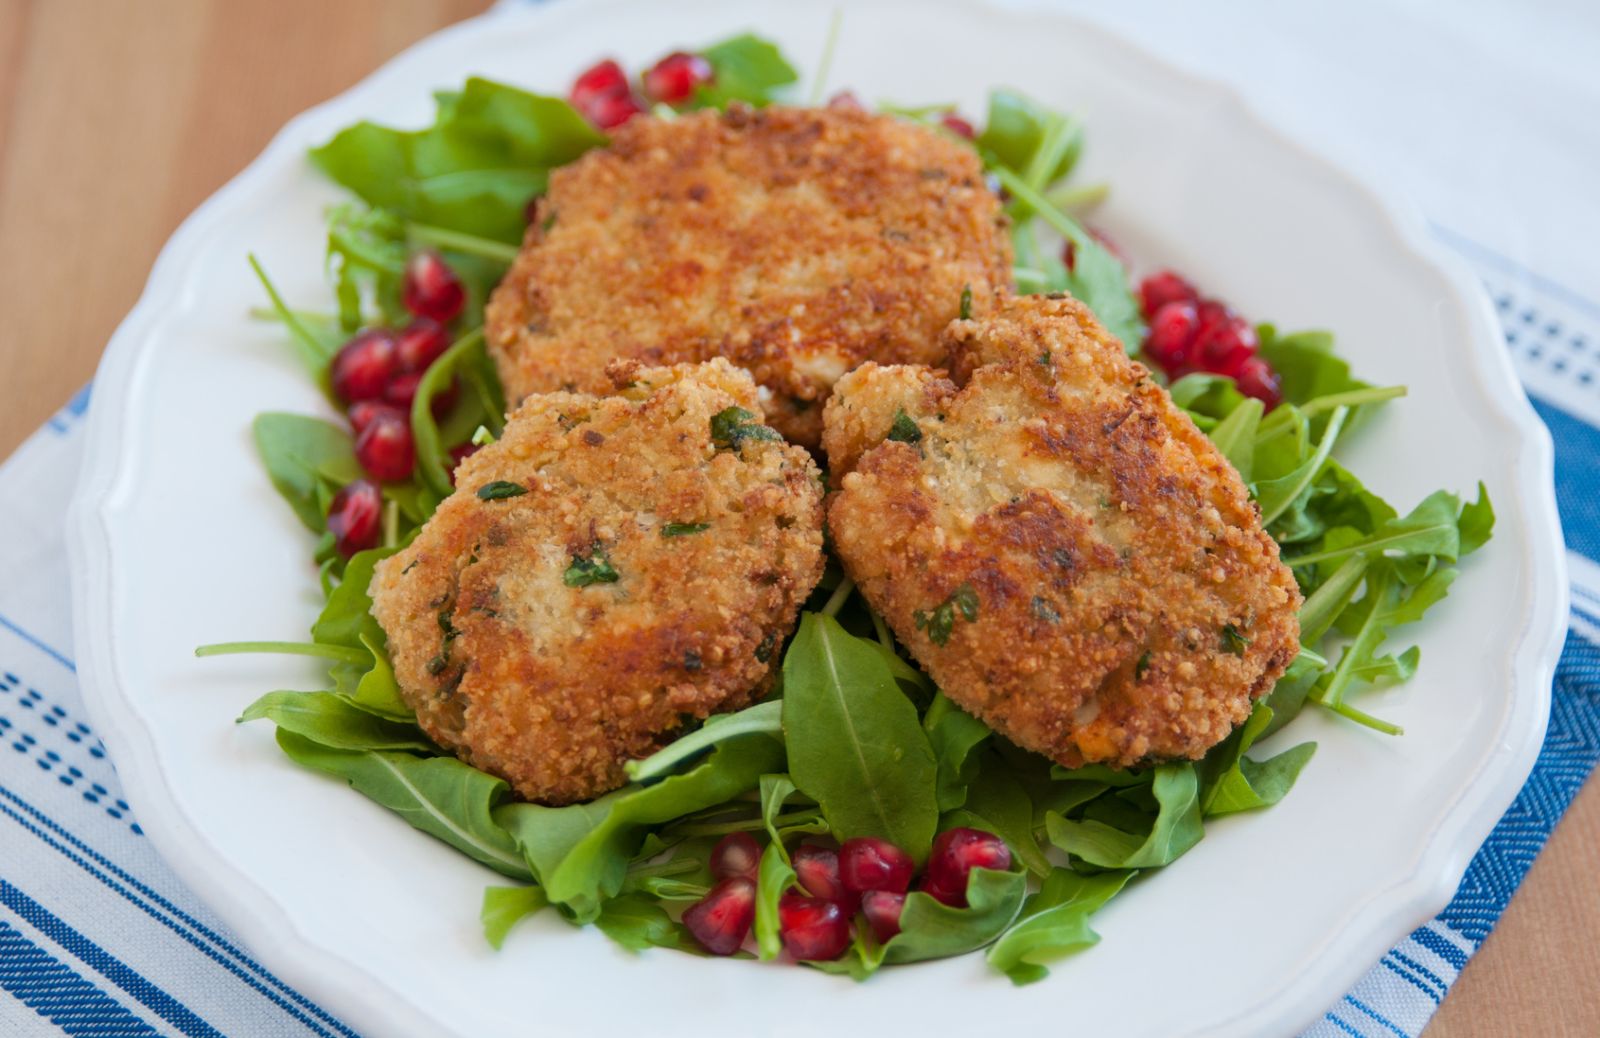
{"type": "Point", "coordinates": [1065, 553]}
{"type": "Point", "coordinates": [607, 570]}
{"type": "Point", "coordinates": [795, 242]}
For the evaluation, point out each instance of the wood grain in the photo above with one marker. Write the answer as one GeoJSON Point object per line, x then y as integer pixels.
{"type": "Point", "coordinates": [118, 118]}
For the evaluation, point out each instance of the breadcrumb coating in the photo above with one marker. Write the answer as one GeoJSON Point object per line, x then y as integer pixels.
{"type": "Point", "coordinates": [604, 572]}
{"type": "Point", "coordinates": [796, 242]}
{"type": "Point", "coordinates": [1068, 557]}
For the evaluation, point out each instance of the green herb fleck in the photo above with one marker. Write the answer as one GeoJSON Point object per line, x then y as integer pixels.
{"type": "Point", "coordinates": [683, 529]}
{"type": "Point", "coordinates": [1043, 610]}
{"type": "Point", "coordinates": [1142, 667]}
{"type": "Point", "coordinates": [904, 430]}
{"type": "Point", "coordinates": [691, 660]}
{"type": "Point", "coordinates": [499, 490]}
{"type": "Point", "coordinates": [764, 650]}
{"type": "Point", "coordinates": [1044, 359]}
{"type": "Point", "coordinates": [548, 222]}
{"type": "Point", "coordinates": [966, 302]}
{"type": "Point", "coordinates": [594, 568]}
{"type": "Point", "coordinates": [1233, 640]}
{"type": "Point", "coordinates": [942, 620]}
{"type": "Point", "coordinates": [732, 426]}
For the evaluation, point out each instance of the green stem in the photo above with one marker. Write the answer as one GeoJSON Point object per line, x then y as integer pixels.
{"type": "Point", "coordinates": [745, 825]}
{"type": "Point", "coordinates": [1361, 717]}
{"type": "Point", "coordinates": [339, 653]}
{"type": "Point", "coordinates": [819, 83]}
{"type": "Point", "coordinates": [1313, 468]}
{"type": "Point", "coordinates": [675, 867]}
{"type": "Point", "coordinates": [1328, 601]}
{"type": "Point", "coordinates": [1028, 278]}
{"type": "Point", "coordinates": [1063, 224]}
{"type": "Point", "coordinates": [1078, 196]}
{"type": "Point", "coordinates": [840, 596]}
{"type": "Point", "coordinates": [459, 241]}
{"type": "Point", "coordinates": [431, 458]}
{"type": "Point", "coordinates": [884, 637]}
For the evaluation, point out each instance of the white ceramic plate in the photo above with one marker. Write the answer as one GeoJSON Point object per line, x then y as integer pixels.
{"type": "Point", "coordinates": [177, 540]}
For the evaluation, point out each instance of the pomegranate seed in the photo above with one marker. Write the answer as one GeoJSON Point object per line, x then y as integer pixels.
{"type": "Point", "coordinates": [355, 516]}
{"type": "Point", "coordinates": [736, 854]}
{"type": "Point", "coordinates": [364, 412]}
{"type": "Point", "coordinates": [1164, 287]}
{"type": "Point", "coordinates": [459, 453]}
{"type": "Point", "coordinates": [812, 927]}
{"type": "Point", "coordinates": [868, 863]}
{"type": "Point", "coordinates": [817, 869]}
{"type": "Point", "coordinates": [721, 920]}
{"type": "Point", "coordinates": [1256, 378]}
{"type": "Point", "coordinates": [385, 448]}
{"type": "Point", "coordinates": [419, 344]}
{"type": "Point", "coordinates": [431, 288]}
{"type": "Point", "coordinates": [956, 852]}
{"type": "Point", "coordinates": [1172, 334]}
{"type": "Point", "coordinates": [608, 113]}
{"type": "Point", "coordinates": [1222, 346]}
{"type": "Point", "coordinates": [364, 365]}
{"type": "Point", "coordinates": [846, 101]}
{"type": "Point", "coordinates": [605, 79]}
{"type": "Point", "coordinates": [882, 909]}
{"type": "Point", "coordinates": [958, 126]}
{"type": "Point", "coordinates": [672, 79]}
{"type": "Point", "coordinates": [402, 390]}
{"type": "Point", "coordinates": [945, 896]}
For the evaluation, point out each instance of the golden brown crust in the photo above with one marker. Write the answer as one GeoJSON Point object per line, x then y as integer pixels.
{"type": "Point", "coordinates": [554, 687]}
{"type": "Point", "coordinates": [1108, 547]}
{"type": "Point", "coordinates": [795, 242]}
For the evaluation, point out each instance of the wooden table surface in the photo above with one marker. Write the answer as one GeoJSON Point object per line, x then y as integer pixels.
{"type": "Point", "coordinates": [118, 118]}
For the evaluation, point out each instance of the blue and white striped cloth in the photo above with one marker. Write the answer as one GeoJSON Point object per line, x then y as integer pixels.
{"type": "Point", "coordinates": [97, 937]}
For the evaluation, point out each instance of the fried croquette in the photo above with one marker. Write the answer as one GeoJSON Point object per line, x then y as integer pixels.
{"type": "Point", "coordinates": [611, 568]}
{"type": "Point", "coordinates": [1068, 557]}
{"type": "Point", "coordinates": [795, 242]}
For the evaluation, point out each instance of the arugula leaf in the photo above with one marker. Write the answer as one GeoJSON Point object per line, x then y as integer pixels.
{"type": "Point", "coordinates": [347, 618]}
{"type": "Point", "coordinates": [439, 795]}
{"type": "Point", "coordinates": [1054, 923]}
{"type": "Point", "coordinates": [1235, 436]}
{"type": "Point", "coordinates": [489, 150]}
{"type": "Point", "coordinates": [1162, 840]}
{"type": "Point", "coordinates": [930, 929]}
{"type": "Point", "coordinates": [468, 358]}
{"type": "Point", "coordinates": [763, 718]}
{"type": "Point", "coordinates": [1433, 528]}
{"type": "Point", "coordinates": [953, 734]}
{"type": "Point", "coordinates": [745, 68]}
{"type": "Point", "coordinates": [1230, 781]}
{"type": "Point", "coordinates": [329, 720]}
{"type": "Point", "coordinates": [997, 802]}
{"type": "Point", "coordinates": [581, 852]}
{"type": "Point", "coordinates": [308, 460]}
{"type": "Point", "coordinates": [854, 741]}
{"type": "Point", "coordinates": [314, 345]}
{"type": "Point", "coordinates": [504, 907]}
{"type": "Point", "coordinates": [637, 922]}
{"type": "Point", "coordinates": [774, 877]}
{"type": "Point", "coordinates": [1015, 129]}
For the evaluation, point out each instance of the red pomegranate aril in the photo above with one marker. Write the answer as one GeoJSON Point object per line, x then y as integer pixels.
{"type": "Point", "coordinates": [1256, 378]}
{"type": "Point", "coordinates": [385, 448]}
{"type": "Point", "coordinates": [721, 920]}
{"type": "Point", "coordinates": [605, 79]}
{"type": "Point", "coordinates": [1164, 287]}
{"type": "Point", "coordinates": [1171, 336]}
{"type": "Point", "coordinates": [882, 909]}
{"type": "Point", "coordinates": [431, 289]}
{"type": "Point", "coordinates": [736, 854]}
{"type": "Point", "coordinates": [956, 852]}
{"type": "Point", "coordinates": [846, 101]}
{"type": "Point", "coordinates": [817, 869]}
{"type": "Point", "coordinates": [362, 413]}
{"type": "Point", "coordinates": [355, 517]}
{"type": "Point", "coordinates": [672, 79]}
{"type": "Point", "coordinates": [608, 113]}
{"type": "Point", "coordinates": [364, 365]}
{"type": "Point", "coordinates": [402, 390]}
{"type": "Point", "coordinates": [868, 863]}
{"type": "Point", "coordinates": [954, 897]}
{"type": "Point", "coordinates": [813, 928]}
{"type": "Point", "coordinates": [419, 344]}
{"type": "Point", "coordinates": [958, 126]}
{"type": "Point", "coordinates": [1222, 346]}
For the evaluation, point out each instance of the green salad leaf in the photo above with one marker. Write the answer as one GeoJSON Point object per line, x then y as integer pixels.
{"type": "Point", "coordinates": [745, 68]}
{"type": "Point", "coordinates": [855, 744]}
{"type": "Point", "coordinates": [308, 460]}
{"type": "Point", "coordinates": [490, 149]}
{"type": "Point", "coordinates": [504, 907]}
{"type": "Point", "coordinates": [1054, 923]}
{"type": "Point", "coordinates": [329, 720]}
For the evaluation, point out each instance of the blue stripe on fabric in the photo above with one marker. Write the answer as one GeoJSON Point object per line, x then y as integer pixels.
{"type": "Point", "coordinates": [1577, 477]}
{"type": "Point", "coordinates": [1446, 949]}
{"type": "Point", "coordinates": [58, 994]}
{"type": "Point", "coordinates": [1484, 254]}
{"type": "Point", "coordinates": [1418, 975]}
{"type": "Point", "coordinates": [39, 644]}
{"type": "Point", "coordinates": [108, 965]}
{"type": "Point", "coordinates": [1341, 1025]}
{"type": "Point", "coordinates": [1379, 1017]}
{"type": "Point", "coordinates": [1571, 748]}
{"type": "Point", "coordinates": [295, 1000]}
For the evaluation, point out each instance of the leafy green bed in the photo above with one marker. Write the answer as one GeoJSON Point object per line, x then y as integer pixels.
{"type": "Point", "coordinates": [858, 741]}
